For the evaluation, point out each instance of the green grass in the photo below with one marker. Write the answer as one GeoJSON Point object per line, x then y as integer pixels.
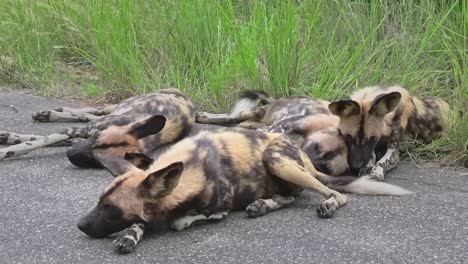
{"type": "Point", "coordinates": [213, 49]}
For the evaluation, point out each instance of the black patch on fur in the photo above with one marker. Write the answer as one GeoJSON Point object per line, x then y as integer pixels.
{"type": "Point", "coordinates": [149, 126]}
{"type": "Point", "coordinates": [103, 220]}
{"type": "Point", "coordinates": [108, 146]}
{"type": "Point", "coordinates": [338, 108]}
{"type": "Point", "coordinates": [243, 198]}
{"type": "Point", "coordinates": [139, 160]}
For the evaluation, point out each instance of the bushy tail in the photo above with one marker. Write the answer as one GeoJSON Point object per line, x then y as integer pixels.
{"type": "Point", "coordinates": [362, 185]}
{"type": "Point", "coordinates": [365, 185]}
{"type": "Point", "coordinates": [250, 100]}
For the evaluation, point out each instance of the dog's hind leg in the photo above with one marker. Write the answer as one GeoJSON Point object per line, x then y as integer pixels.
{"type": "Point", "coordinates": [129, 238]}
{"type": "Point", "coordinates": [65, 117]}
{"type": "Point", "coordinates": [263, 206]}
{"type": "Point", "coordinates": [89, 110]}
{"type": "Point", "coordinates": [70, 135]}
{"type": "Point", "coordinates": [11, 138]}
{"type": "Point", "coordinates": [68, 114]}
{"type": "Point", "coordinates": [28, 146]}
{"type": "Point", "coordinates": [251, 125]}
{"type": "Point", "coordinates": [286, 161]}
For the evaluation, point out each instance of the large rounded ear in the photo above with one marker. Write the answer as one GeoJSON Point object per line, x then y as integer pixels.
{"type": "Point", "coordinates": [344, 108]}
{"type": "Point", "coordinates": [161, 183]}
{"type": "Point", "coordinates": [115, 165]}
{"type": "Point", "coordinates": [149, 126]}
{"type": "Point", "coordinates": [385, 103]}
{"type": "Point", "coordinates": [139, 160]}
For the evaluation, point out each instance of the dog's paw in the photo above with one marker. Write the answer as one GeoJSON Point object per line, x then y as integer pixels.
{"type": "Point", "coordinates": [377, 173]}
{"type": "Point", "coordinates": [256, 209]}
{"type": "Point", "coordinates": [365, 171]}
{"type": "Point", "coordinates": [124, 245]}
{"type": "Point", "coordinates": [4, 137]}
{"type": "Point", "coordinates": [202, 117]}
{"type": "Point", "coordinates": [326, 209]}
{"type": "Point", "coordinates": [41, 116]}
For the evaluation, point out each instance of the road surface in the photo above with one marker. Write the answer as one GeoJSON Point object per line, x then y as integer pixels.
{"type": "Point", "coordinates": [42, 196]}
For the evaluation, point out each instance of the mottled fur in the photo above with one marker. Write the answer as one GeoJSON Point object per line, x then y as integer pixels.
{"type": "Point", "coordinates": [114, 134]}
{"type": "Point", "coordinates": [202, 177]}
{"type": "Point", "coordinates": [375, 120]}
{"type": "Point", "coordinates": [300, 117]}
{"type": "Point", "coordinates": [108, 128]}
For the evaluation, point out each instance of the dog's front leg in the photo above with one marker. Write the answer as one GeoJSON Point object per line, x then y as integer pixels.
{"type": "Point", "coordinates": [389, 161]}
{"type": "Point", "coordinates": [129, 238]}
{"type": "Point", "coordinates": [366, 170]}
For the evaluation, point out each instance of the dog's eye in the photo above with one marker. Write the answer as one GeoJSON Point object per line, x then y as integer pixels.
{"type": "Point", "coordinates": [329, 155]}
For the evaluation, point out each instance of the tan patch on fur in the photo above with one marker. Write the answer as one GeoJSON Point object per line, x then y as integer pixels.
{"type": "Point", "coordinates": [171, 130]}
{"type": "Point", "coordinates": [208, 193]}
{"type": "Point", "coordinates": [125, 195]}
{"type": "Point", "coordinates": [330, 141]}
{"type": "Point", "coordinates": [447, 116]}
{"type": "Point", "coordinates": [350, 125]}
{"type": "Point", "coordinates": [240, 152]}
{"type": "Point", "coordinates": [117, 135]}
{"type": "Point", "coordinates": [191, 183]}
{"type": "Point", "coordinates": [375, 126]}
{"type": "Point", "coordinates": [318, 122]}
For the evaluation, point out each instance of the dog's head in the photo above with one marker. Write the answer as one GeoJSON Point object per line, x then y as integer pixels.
{"type": "Point", "coordinates": [133, 196]}
{"type": "Point", "coordinates": [115, 141]}
{"type": "Point", "coordinates": [362, 125]}
{"type": "Point", "coordinates": [327, 151]}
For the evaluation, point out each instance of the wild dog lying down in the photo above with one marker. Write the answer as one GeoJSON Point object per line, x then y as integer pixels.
{"type": "Point", "coordinates": [371, 124]}
{"type": "Point", "coordinates": [374, 121]}
{"type": "Point", "coordinates": [202, 178]}
{"type": "Point", "coordinates": [176, 107]}
{"type": "Point", "coordinates": [307, 121]}
{"type": "Point", "coordinates": [256, 110]}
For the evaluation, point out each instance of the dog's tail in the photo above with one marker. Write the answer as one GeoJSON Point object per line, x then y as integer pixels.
{"type": "Point", "coordinates": [362, 185]}
{"type": "Point", "coordinates": [250, 100]}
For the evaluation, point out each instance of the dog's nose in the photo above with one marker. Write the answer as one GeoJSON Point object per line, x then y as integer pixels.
{"type": "Point", "coordinates": [357, 165]}
{"type": "Point", "coordinates": [83, 225]}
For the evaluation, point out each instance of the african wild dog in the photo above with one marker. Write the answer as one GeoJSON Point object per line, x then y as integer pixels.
{"type": "Point", "coordinates": [124, 130]}
{"type": "Point", "coordinates": [425, 118]}
{"type": "Point", "coordinates": [202, 178]}
{"type": "Point", "coordinates": [306, 120]}
{"type": "Point", "coordinates": [374, 120]}
{"type": "Point", "coordinates": [131, 115]}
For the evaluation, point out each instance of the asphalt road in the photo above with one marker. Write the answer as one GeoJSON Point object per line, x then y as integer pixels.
{"type": "Point", "coordinates": [42, 196]}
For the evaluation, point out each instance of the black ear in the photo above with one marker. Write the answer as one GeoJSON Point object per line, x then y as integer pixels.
{"type": "Point", "coordinates": [385, 103]}
{"type": "Point", "coordinates": [344, 108]}
{"type": "Point", "coordinates": [115, 165]}
{"type": "Point", "coordinates": [139, 160]}
{"type": "Point", "coordinates": [149, 126]}
{"type": "Point", "coordinates": [161, 183]}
